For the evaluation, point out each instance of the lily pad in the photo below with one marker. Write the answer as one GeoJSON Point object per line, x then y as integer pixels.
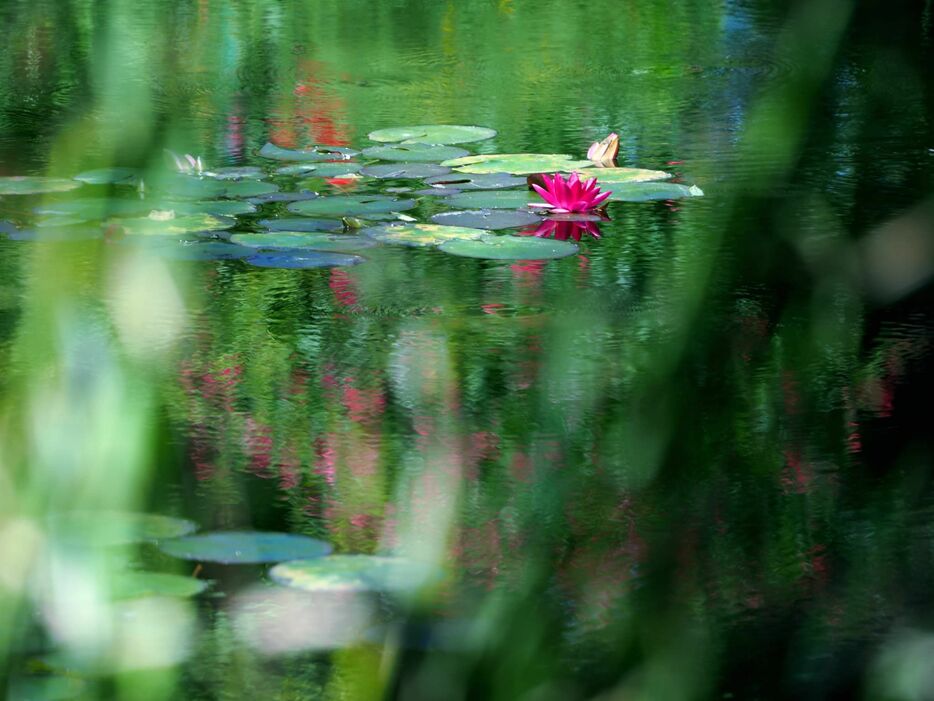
{"type": "Point", "coordinates": [495, 247]}
{"type": "Point", "coordinates": [58, 234]}
{"type": "Point", "coordinates": [415, 153]}
{"type": "Point", "coordinates": [303, 259]}
{"type": "Point", "coordinates": [493, 199]}
{"type": "Point", "coordinates": [194, 250]}
{"type": "Point", "coordinates": [403, 170]}
{"type": "Point", "coordinates": [619, 176]}
{"type": "Point", "coordinates": [249, 188]}
{"type": "Point", "coordinates": [421, 235]}
{"type": "Point", "coordinates": [109, 176]}
{"type": "Point", "coordinates": [477, 181]}
{"type": "Point", "coordinates": [314, 153]}
{"type": "Point", "coordinates": [335, 170]}
{"type": "Point", "coordinates": [437, 192]}
{"type": "Point", "coordinates": [133, 585]}
{"type": "Point", "coordinates": [58, 221]}
{"type": "Point", "coordinates": [354, 574]}
{"type": "Point", "coordinates": [487, 218]}
{"type": "Point", "coordinates": [517, 163]}
{"type": "Point", "coordinates": [351, 205]}
{"type": "Point", "coordinates": [644, 192]}
{"type": "Point", "coordinates": [274, 197]}
{"type": "Point", "coordinates": [298, 169]}
{"type": "Point", "coordinates": [317, 241]}
{"type": "Point", "coordinates": [433, 134]}
{"type": "Point", "coordinates": [35, 185]}
{"type": "Point", "coordinates": [107, 528]}
{"type": "Point", "coordinates": [301, 224]}
{"type": "Point", "coordinates": [176, 226]}
{"type": "Point", "coordinates": [236, 173]}
{"type": "Point", "coordinates": [218, 207]}
{"type": "Point", "coordinates": [96, 209]}
{"type": "Point", "coordinates": [245, 547]}
{"type": "Point", "coordinates": [189, 186]}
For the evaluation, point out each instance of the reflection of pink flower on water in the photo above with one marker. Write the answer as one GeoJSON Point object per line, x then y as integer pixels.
{"type": "Point", "coordinates": [571, 195]}
{"type": "Point", "coordinates": [563, 230]}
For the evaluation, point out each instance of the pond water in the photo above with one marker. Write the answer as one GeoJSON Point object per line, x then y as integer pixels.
{"type": "Point", "coordinates": [678, 450]}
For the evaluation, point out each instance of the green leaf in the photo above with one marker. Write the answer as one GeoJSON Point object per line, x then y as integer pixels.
{"type": "Point", "coordinates": [314, 153]}
{"type": "Point", "coordinates": [421, 235]}
{"type": "Point", "coordinates": [318, 241]}
{"type": "Point", "coordinates": [354, 573]}
{"type": "Point", "coordinates": [517, 163]}
{"type": "Point", "coordinates": [177, 226]}
{"type": "Point", "coordinates": [433, 134]}
{"type": "Point", "coordinates": [643, 192]}
{"type": "Point", "coordinates": [106, 528]}
{"type": "Point", "coordinates": [496, 247]}
{"type": "Point", "coordinates": [404, 170]}
{"type": "Point", "coordinates": [133, 585]}
{"type": "Point", "coordinates": [245, 547]}
{"type": "Point", "coordinates": [415, 153]}
{"type": "Point", "coordinates": [619, 176]}
{"type": "Point", "coordinates": [109, 176]}
{"type": "Point", "coordinates": [493, 199]}
{"type": "Point", "coordinates": [350, 205]}
{"type": "Point", "coordinates": [487, 218]}
{"type": "Point", "coordinates": [32, 185]}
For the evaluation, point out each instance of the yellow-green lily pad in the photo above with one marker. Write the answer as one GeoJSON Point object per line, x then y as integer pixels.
{"type": "Point", "coordinates": [317, 241]}
{"type": "Point", "coordinates": [644, 192]}
{"type": "Point", "coordinates": [620, 176]}
{"type": "Point", "coordinates": [415, 153]}
{"type": "Point", "coordinates": [433, 134]}
{"type": "Point", "coordinates": [134, 585]}
{"type": "Point", "coordinates": [421, 235]}
{"type": "Point", "coordinates": [517, 163]}
{"type": "Point", "coordinates": [350, 205]}
{"type": "Point", "coordinates": [35, 185]}
{"type": "Point", "coordinates": [495, 247]}
{"type": "Point", "coordinates": [155, 225]}
{"type": "Point", "coordinates": [354, 574]}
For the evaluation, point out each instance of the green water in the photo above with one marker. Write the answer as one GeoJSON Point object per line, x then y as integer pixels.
{"type": "Point", "coordinates": [690, 461]}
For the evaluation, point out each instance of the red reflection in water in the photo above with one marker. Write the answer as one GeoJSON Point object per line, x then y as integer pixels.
{"type": "Point", "coordinates": [563, 230]}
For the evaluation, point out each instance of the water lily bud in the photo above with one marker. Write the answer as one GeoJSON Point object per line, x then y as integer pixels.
{"type": "Point", "coordinates": [604, 152]}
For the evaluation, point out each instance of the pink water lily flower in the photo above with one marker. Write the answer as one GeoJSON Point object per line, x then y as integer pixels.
{"type": "Point", "coordinates": [571, 195]}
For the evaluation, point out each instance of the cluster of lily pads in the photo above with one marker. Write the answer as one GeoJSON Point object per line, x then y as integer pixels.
{"type": "Point", "coordinates": [227, 213]}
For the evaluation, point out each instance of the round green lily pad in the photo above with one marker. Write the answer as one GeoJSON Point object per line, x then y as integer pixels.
{"type": "Point", "coordinates": [421, 235]}
{"type": "Point", "coordinates": [403, 170]}
{"type": "Point", "coordinates": [35, 185]}
{"type": "Point", "coordinates": [493, 199]}
{"type": "Point", "coordinates": [245, 547]}
{"type": "Point", "coordinates": [299, 260]}
{"type": "Point", "coordinates": [106, 528]}
{"type": "Point", "coordinates": [415, 153]}
{"type": "Point", "coordinates": [133, 585]}
{"type": "Point", "coordinates": [189, 186]}
{"type": "Point", "coordinates": [477, 181]}
{"type": "Point", "coordinates": [350, 205]}
{"type": "Point", "coordinates": [301, 224]}
{"type": "Point", "coordinates": [487, 218]}
{"type": "Point", "coordinates": [236, 173]}
{"type": "Point", "coordinates": [249, 188]}
{"type": "Point", "coordinates": [314, 153]}
{"type": "Point", "coordinates": [354, 573]}
{"type": "Point", "coordinates": [335, 170]}
{"type": "Point", "coordinates": [433, 134]}
{"type": "Point", "coordinates": [619, 176]}
{"type": "Point", "coordinates": [276, 197]}
{"type": "Point", "coordinates": [496, 247]}
{"type": "Point", "coordinates": [317, 241]}
{"type": "Point", "coordinates": [644, 192]}
{"type": "Point", "coordinates": [218, 207]}
{"type": "Point", "coordinates": [175, 226]}
{"type": "Point", "coordinates": [109, 176]}
{"type": "Point", "coordinates": [516, 163]}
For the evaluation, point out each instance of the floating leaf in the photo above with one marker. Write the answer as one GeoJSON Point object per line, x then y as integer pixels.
{"type": "Point", "coordinates": [106, 528]}
{"type": "Point", "coordinates": [301, 224]}
{"type": "Point", "coordinates": [344, 205]}
{"type": "Point", "coordinates": [496, 247]}
{"type": "Point", "coordinates": [97, 209]}
{"type": "Point", "coordinates": [493, 199]}
{"type": "Point", "coordinates": [174, 226]}
{"type": "Point", "coordinates": [273, 197]}
{"type": "Point", "coordinates": [236, 173]}
{"type": "Point", "coordinates": [192, 250]}
{"type": "Point", "coordinates": [317, 241]}
{"type": "Point", "coordinates": [58, 221]}
{"type": "Point", "coordinates": [403, 170]}
{"type": "Point", "coordinates": [133, 585]}
{"type": "Point", "coordinates": [314, 153]}
{"type": "Point", "coordinates": [335, 170]}
{"type": "Point", "coordinates": [487, 218]}
{"type": "Point", "coordinates": [189, 186]}
{"type": "Point", "coordinates": [109, 176]}
{"type": "Point", "coordinates": [618, 176]}
{"type": "Point", "coordinates": [643, 192]}
{"type": "Point", "coordinates": [34, 185]}
{"type": "Point", "coordinates": [437, 192]}
{"type": "Point", "coordinates": [218, 207]}
{"type": "Point", "coordinates": [249, 188]}
{"type": "Point", "coordinates": [303, 259]}
{"type": "Point", "coordinates": [354, 573]}
{"type": "Point", "coordinates": [245, 547]}
{"type": "Point", "coordinates": [477, 181]}
{"type": "Point", "coordinates": [516, 163]}
{"type": "Point", "coordinates": [421, 235]}
{"type": "Point", "coordinates": [433, 134]}
{"type": "Point", "coordinates": [58, 234]}
{"type": "Point", "coordinates": [415, 153]}
{"type": "Point", "coordinates": [299, 169]}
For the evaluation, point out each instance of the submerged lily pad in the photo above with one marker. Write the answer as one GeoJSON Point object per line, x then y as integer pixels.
{"type": "Point", "coordinates": [109, 176]}
{"type": "Point", "coordinates": [35, 185]}
{"type": "Point", "coordinates": [415, 153]}
{"type": "Point", "coordinates": [189, 186]}
{"type": "Point", "coordinates": [433, 134]}
{"type": "Point", "coordinates": [487, 218]}
{"type": "Point", "coordinates": [314, 153]}
{"type": "Point", "coordinates": [619, 176]}
{"type": "Point", "coordinates": [517, 163]}
{"type": "Point", "coordinates": [194, 250]}
{"type": "Point", "coordinates": [106, 528]}
{"type": "Point", "coordinates": [301, 224]}
{"type": "Point", "coordinates": [245, 547]}
{"type": "Point", "coordinates": [404, 170]}
{"type": "Point", "coordinates": [176, 226]}
{"type": "Point", "coordinates": [354, 573]}
{"type": "Point", "coordinates": [133, 585]}
{"type": "Point", "coordinates": [495, 247]}
{"type": "Point", "coordinates": [644, 192]}
{"type": "Point", "coordinates": [351, 205]}
{"type": "Point", "coordinates": [421, 235]}
{"type": "Point", "coordinates": [477, 181]}
{"type": "Point", "coordinates": [303, 259]}
{"type": "Point", "coordinates": [317, 241]}
{"type": "Point", "coordinates": [493, 199]}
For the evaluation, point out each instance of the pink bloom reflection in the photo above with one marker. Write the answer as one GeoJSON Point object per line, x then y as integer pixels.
{"type": "Point", "coordinates": [563, 230]}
